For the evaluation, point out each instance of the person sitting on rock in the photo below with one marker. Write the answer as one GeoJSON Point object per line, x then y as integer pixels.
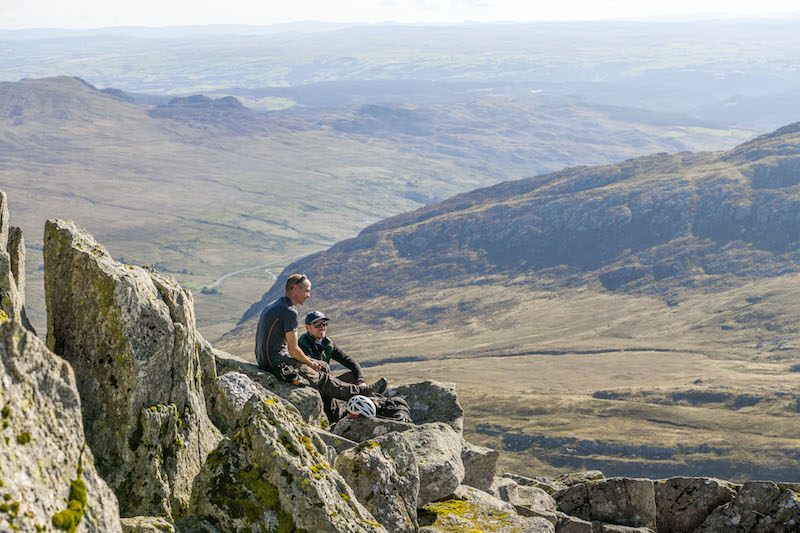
{"type": "Point", "coordinates": [277, 350]}
{"type": "Point", "coordinates": [317, 345]}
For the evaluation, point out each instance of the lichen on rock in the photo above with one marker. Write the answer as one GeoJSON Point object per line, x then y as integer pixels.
{"type": "Point", "coordinates": [130, 335]}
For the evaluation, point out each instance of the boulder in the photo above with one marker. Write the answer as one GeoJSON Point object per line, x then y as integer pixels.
{"type": "Point", "coordinates": [129, 333]}
{"type": "Point", "coordinates": [43, 459]}
{"type": "Point", "coordinates": [614, 528]}
{"type": "Point", "coordinates": [437, 448]}
{"type": "Point", "coordinates": [432, 401]}
{"type": "Point", "coordinates": [273, 475]}
{"type": "Point", "coordinates": [759, 507]}
{"type": "Point", "coordinates": [504, 489]}
{"type": "Point", "coordinates": [534, 498]}
{"type": "Point", "coordinates": [384, 476]}
{"type": "Point", "coordinates": [470, 509]}
{"type": "Point", "coordinates": [12, 268]}
{"type": "Point", "coordinates": [621, 501]}
{"type": "Point", "coordinates": [572, 524]}
{"type": "Point", "coordinates": [146, 524]}
{"type": "Point", "coordinates": [550, 486]}
{"type": "Point", "coordinates": [306, 399]}
{"type": "Point", "coordinates": [480, 465]}
{"type": "Point", "coordinates": [336, 443]}
{"type": "Point", "coordinates": [683, 503]}
{"type": "Point", "coordinates": [360, 429]}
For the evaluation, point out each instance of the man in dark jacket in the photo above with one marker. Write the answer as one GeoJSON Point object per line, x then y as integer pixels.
{"type": "Point", "coordinates": [277, 349]}
{"type": "Point", "coordinates": [316, 344]}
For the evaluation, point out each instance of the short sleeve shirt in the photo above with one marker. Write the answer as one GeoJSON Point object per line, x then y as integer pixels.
{"type": "Point", "coordinates": [276, 320]}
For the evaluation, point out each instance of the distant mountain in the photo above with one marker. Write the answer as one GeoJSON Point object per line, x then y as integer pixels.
{"type": "Point", "coordinates": [674, 227]}
{"type": "Point", "coordinates": [203, 187]}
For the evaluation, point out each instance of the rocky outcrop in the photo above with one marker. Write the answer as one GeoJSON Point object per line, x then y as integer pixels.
{"type": "Point", "coordinates": [47, 475]}
{"type": "Point", "coordinates": [273, 475]}
{"type": "Point", "coordinates": [622, 501]}
{"type": "Point", "coordinates": [432, 401]}
{"type": "Point", "coordinates": [437, 448]}
{"type": "Point", "coordinates": [469, 509]}
{"type": "Point", "coordinates": [480, 465]}
{"type": "Point", "coordinates": [305, 399]}
{"type": "Point", "coordinates": [383, 474]}
{"type": "Point", "coordinates": [683, 503]}
{"type": "Point", "coordinates": [759, 507]}
{"type": "Point", "coordinates": [12, 268]}
{"type": "Point", "coordinates": [129, 333]}
{"type": "Point", "coordinates": [361, 429]}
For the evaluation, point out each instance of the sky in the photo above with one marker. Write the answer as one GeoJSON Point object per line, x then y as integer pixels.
{"type": "Point", "coordinates": [84, 14]}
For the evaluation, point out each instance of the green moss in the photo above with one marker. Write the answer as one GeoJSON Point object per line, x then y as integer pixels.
{"type": "Point", "coordinates": [69, 519]}
{"type": "Point", "coordinates": [6, 412]}
{"type": "Point", "coordinates": [4, 507]}
{"type": "Point", "coordinates": [7, 497]}
{"type": "Point", "coordinates": [24, 438]}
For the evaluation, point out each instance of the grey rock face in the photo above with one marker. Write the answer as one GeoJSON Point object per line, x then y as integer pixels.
{"type": "Point", "coordinates": [305, 399]}
{"type": "Point", "coordinates": [614, 528]}
{"type": "Point", "coordinates": [432, 401]}
{"type": "Point", "coordinates": [361, 429]}
{"type": "Point", "coordinates": [233, 391]}
{"type": "Point", "coordinates": [470, 509]}
{"type": "Point", "coordinates": [130, 336]}
{"type": "Point", "coordinates": [146, 524]}
{"type": "Point", "coordinates": [42, 449]}
{"type": "Point", "coordinates": [12, 268]}
{"type": "Point", "coordinates": [759, 507]}
{"type": "Point", "coordinates": [480, 465]}
{"type": "Point", "coordinates": [504, 489]}
{"type": "Point", "coordinates": [572, 524]}
{"type": "Point", "coordinates": [273, 475]}
{"type": "Point", "coordinates": [437, 448]}
{"type": "Point", "coordinates": [683, 503]}
{"type": "Point", "coordinates": [384, 476]}
{"type": "Point", "coordinates": [622, 501]}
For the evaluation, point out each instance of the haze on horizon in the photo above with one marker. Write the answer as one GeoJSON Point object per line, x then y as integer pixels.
{"type": "Point", "coordinates": [87, 14]}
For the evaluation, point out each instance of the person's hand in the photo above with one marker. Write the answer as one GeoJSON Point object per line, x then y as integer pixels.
{"type": "Point", "coordinates": [316, 365]}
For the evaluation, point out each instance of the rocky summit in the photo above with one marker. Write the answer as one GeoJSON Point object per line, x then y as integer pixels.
{"type": "Point", "coordinates": [128, 420]}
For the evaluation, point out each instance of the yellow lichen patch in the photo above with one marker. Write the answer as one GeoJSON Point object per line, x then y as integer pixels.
{"type": "Point", "coordinates": [3, 316]}
{"type": "Point", "coordinates": [482, 520]}
{"type": "Point", "coordinates": [307, 443]}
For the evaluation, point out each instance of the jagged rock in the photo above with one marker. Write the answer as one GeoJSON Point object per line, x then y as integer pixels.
{"type": "Point", "coordinates": [614, 528]}
{"type": "Point", "coordinates": [572, 524]}
{"type": "Point", "coordinates": [432, 401]}
{"type": "Point", "coordinates": [42, 453]}
{"type": "Point", "coordinates": [273, 476]}
{"type": "Point", "coordinates": [129, 334]}
{"type": "Point", "coordinates": [146, 524]}
{"type": "Point", "coordinates": [548, 485]}
{"type": "Point", "coordinates": [234, 390]}
{"type": "Point", "coordinates": [534, 498]}
{"type": "Point", "coordinates": [759, 507]}
{"type": "Point", "coordinates": [12, 268]}
{"type": "Point", "coordinates": [360, 429]}
{"type": "Point", "coordinates": [437, 448]}
{"type": "Point", "coordinates": [683, 503]}
{"type": "Point", "coordinates": [622, 501]}
{"type": "Point", "coordinates": [574, 478]}
{"type": "Point", "coordinates": [470, 509]}
{"type": "Point", "coordinates": [384, 476]}
{"type": "Point", "coordinates": [504, 489]}
{"type": "Point", "coordinates": [336, 443]}
{"type": "Point", "coordinates": [306, 399]}
{"type": "Point", "coordinates": [480, 465]}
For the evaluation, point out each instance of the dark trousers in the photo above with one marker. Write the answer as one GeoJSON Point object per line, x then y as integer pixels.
{"type": "Point", "coordinates": [330, 388]}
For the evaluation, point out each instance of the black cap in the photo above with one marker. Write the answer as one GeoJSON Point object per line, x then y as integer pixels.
{"type": "Point", "coordinates": [313, 316]}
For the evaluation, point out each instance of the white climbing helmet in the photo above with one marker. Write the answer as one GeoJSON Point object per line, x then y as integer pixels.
{"type": "Point", "coordinates": [359, 405]}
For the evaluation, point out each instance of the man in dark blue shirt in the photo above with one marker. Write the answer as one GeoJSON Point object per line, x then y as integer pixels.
{"type": "Point", "coordinates": [277, 350]}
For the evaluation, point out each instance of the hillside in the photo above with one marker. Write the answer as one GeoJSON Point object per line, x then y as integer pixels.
{"type": "Point", "coordinates": [202, 187]}
{"type": "Point", "coordinates": [655, 276]}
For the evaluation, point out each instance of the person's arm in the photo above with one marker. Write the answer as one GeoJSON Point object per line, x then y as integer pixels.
{"type": "Point", "coordinates": [350, 363]}
{"type": "Point", "coordinates": [297, 353]}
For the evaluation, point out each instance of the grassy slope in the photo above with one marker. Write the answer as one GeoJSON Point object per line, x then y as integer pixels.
{"type": "Point", "coordinates": [198, 201]}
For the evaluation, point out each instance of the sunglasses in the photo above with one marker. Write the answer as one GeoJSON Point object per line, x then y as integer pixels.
{"type": "Point", "coordinates": [320, 324]}
{"type": "Point", "coordinates": [300, 280]}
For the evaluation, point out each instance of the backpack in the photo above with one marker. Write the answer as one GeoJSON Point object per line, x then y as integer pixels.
{"type": "Point", "coordinates": [394, 408]}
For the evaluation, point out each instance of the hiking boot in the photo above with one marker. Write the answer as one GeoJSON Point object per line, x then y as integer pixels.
{"type": "Point", "coordinates": [377, 387]}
